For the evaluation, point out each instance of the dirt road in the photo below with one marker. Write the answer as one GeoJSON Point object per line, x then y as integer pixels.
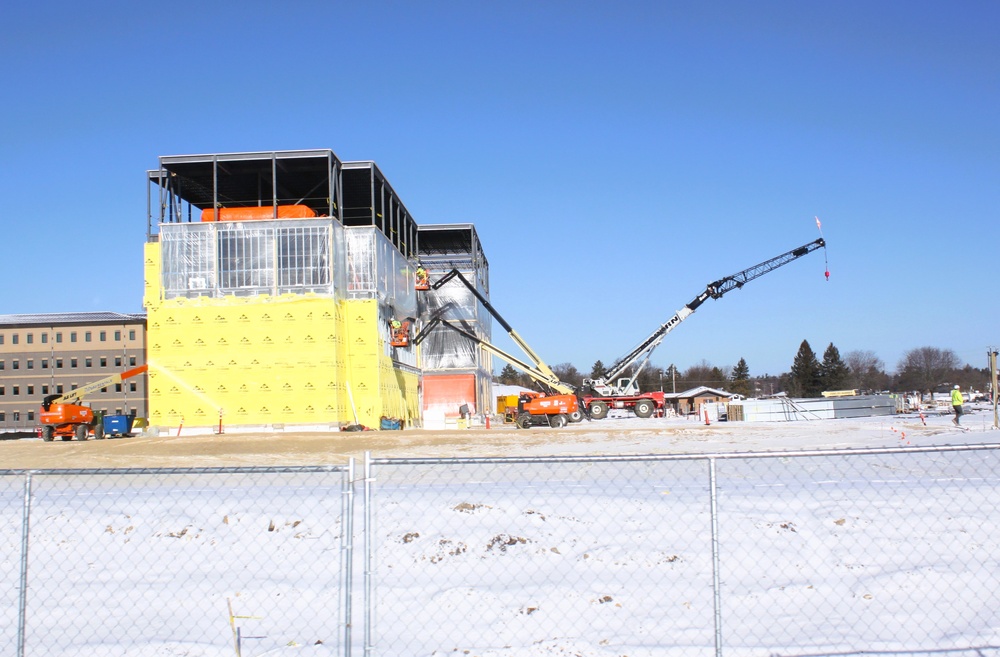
{"type": "Point", "coordinates": [604, 437]}
{"type": "Point", "coordinates": [306, 448]}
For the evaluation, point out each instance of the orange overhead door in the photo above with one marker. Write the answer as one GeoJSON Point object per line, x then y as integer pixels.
{"type": "Point", "coordinates": [449, 392]}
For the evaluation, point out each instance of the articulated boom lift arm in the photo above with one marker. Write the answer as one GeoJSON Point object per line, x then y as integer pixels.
{"type": "Point", "coordinates": [73, 396]}
{"type": "Point", "coordinates": [714, 290]}
{"type": "Point", "coordinates": [550, 377]}
{"type": "Point", "coordinates": [550, 380]}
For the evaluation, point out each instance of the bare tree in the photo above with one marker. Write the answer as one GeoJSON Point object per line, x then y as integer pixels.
{"type": "Point", "coordinates": [702, 374]}
{"type": "Point", "coordinates": [867, 371]}
{"type": "Point", "coordinates": [926, 368]}
{"type": "Point", "coordinates": [568, 373]}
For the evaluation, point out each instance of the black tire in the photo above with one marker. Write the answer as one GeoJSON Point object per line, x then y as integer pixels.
{"type": "Point", "coordinates": [82, 432]}
{"type": "Point", "coordinates": [644, 408]}
{"type": "Point", "coordinates": [99, 431]}
{"type": "Point", "coordinates": [48, 433]}
{"type": "Point", "coordinates": [524, 421]}
{"type": "Point", "coordinates": [558, 421]}
{"type": "Point", "coordinates": [575, 416]}
{"type": "Point", "coordinates": [598, 410]}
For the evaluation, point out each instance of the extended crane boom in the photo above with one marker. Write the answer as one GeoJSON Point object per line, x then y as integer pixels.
{"type": "Point", "coordinates": [714, 290]}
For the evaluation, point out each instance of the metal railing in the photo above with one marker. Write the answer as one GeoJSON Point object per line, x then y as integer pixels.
{"type": "Point", "coordinates": [891, 550]}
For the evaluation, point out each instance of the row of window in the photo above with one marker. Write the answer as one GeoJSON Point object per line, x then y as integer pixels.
{"type": "Point", "coordinates": [30, 390]}
{"type": "Point", "coordinates": [29, 338]}
{"type": "Point", "coordinates": [16, 415]}
{"type": "Point", "coordinates": [57, 363]}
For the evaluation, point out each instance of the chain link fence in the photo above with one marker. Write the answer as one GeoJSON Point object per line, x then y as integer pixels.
{"type": "Point", "coordinates": [891, 551]}
{"type": "Point", "coordinates": [174, 562]}
{"type": "Point", "coordinates": [796, 553]}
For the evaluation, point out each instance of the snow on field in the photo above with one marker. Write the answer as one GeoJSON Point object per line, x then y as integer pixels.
{"type": "Point", "coordinates": [893, 552]}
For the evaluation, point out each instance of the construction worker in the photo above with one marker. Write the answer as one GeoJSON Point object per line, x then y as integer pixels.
{"type": "Point", "coordinates": [421, 277]}
{"type": "Point", "coordinates": [396, 324]}
{"type": "Point", "coordinates": [956, 404]}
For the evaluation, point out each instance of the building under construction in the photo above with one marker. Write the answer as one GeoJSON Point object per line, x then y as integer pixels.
{"type": "Point", "coordinates": [271, 283]}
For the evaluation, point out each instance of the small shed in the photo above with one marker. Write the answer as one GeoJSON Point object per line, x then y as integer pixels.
{"type": "Point", "coordinates": [690, 401]}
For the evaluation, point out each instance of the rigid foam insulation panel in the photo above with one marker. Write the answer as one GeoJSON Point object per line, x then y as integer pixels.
{"type": "Point", "coordinates": [376, 385]}
{"type": "Point", "coordinates": [447, 393]}
{"type": "Point", "coordinates": [262, 360]}
{"type": "Point", "coordinates": [256, 361]}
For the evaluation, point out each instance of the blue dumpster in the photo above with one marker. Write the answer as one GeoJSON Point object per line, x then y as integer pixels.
{"type": "Point", "coordinates": [117, 425]}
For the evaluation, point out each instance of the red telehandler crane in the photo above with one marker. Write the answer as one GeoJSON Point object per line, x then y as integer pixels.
{"type": "Point", "coordinates": [614, 390]}
{"type": "Point", "coordinates": [62, 416]}
{"type": "Point", "coordinates": [597, 396]}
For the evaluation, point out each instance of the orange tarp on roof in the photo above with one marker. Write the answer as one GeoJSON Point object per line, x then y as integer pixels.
{"type": "Point", "coordinates": [258, 213]}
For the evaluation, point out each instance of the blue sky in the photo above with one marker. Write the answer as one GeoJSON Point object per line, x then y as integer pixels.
{"type": "Point", "coordinates": [615, 157]}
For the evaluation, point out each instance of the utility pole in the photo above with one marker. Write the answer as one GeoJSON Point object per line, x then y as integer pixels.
{"type": "Point", "coordinates": [993, 378]}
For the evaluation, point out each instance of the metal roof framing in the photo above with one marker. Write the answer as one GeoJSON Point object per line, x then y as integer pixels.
{"type": "Point", "coordinates": [456, 245]}
{"type": "Point", "coordinates": [369, 200]}
{"type": "Point", "coordinates": [254, 179]}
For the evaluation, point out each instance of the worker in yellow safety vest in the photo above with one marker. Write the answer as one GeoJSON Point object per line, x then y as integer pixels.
{"type": "Point", "coordinates": [956, 404]}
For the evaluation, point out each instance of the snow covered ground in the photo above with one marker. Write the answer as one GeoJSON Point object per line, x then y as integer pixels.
{"type": "Point", "coordinates": [563, 556]}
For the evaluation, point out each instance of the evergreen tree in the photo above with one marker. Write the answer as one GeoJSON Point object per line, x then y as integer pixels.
{"type": "Point", "coordinates": [509, 376]}
{"type": "Point", "coordinates": [804, 379]}
{"type": "Point", "coordinates": [739, 382]}
{"type": "Point", "coordinates": [718, 380]}
{"type": "Point", "coordinates": [598, 370]}
{"type": "Point", "coordinates": [833, 372]}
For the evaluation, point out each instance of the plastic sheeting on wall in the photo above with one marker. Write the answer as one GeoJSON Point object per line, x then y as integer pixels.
{"type": "Point", "coordinates": [375, 269]}
{"type": "Point", "coordinates": [266, 257]}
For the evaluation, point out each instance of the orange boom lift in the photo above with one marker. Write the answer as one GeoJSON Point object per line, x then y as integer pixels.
{"type": "Point", "coordinates": [62, 416]}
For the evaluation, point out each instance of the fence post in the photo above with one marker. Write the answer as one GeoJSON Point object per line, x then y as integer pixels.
{"type": "Point", "coordinates": [347, 562]}
{"type": "Point", "coordinates": [22, 598]}
{"type": "Point", "coordinates": [716, 587]}
{"type": "Point", "coordinates": [369, 544]}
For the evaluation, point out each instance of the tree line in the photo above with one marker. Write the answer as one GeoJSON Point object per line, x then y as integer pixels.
{"type": "Point", "coordinates": [924, 369]}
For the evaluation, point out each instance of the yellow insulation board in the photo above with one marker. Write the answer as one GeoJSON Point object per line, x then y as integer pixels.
{"type": "Point", "coordinates": [292, 359]}
{"type": "Point", "coordinates": [256, 362]}
{"type": "Point", "coordinates": [376, 387]}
